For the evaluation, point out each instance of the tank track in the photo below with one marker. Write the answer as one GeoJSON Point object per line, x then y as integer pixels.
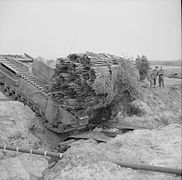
{"type": "Point", "coordinates": [40, 85]}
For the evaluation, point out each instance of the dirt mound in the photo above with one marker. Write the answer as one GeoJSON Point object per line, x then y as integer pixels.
{"type": "Point", "coordinates": [89, 160]}
{"type": "Point", "coordinates": [157, 107]}
{"type": "Point", "coordinates": [15, 121]}
{"type": "Point", "coordinates": [24, 167]}
{"type": "Point", "coordinates": [14, 124]}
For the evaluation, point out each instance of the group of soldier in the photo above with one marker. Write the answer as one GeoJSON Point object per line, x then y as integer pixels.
{"type": "Point", "coordinates": [156, 74]}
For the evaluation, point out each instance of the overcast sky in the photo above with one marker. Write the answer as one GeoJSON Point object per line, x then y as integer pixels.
{"type": "Point", "coordinates": [54, 28]}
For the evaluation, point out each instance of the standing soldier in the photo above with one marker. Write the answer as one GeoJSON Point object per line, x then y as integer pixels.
{"type": "Point", "coordinates": [155, 74]}
{"type": "Point", "coordinates": [150, 77]}
{"type": "Point", "coordinates": [161, 77]}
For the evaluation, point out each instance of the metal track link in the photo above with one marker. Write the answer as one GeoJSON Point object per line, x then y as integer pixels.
{"type": "Point", "coordinates": [25, 75]}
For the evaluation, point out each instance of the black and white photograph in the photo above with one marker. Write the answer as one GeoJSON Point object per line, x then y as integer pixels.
{"type": "Point", "coordinates": [90, 90]}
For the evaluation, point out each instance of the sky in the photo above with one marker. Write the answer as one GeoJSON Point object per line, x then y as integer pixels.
{"type": "Point", "coordinates": [55, 28]}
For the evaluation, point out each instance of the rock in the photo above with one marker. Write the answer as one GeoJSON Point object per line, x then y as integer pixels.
{"type": "Point", "coordinates": [90, 160]}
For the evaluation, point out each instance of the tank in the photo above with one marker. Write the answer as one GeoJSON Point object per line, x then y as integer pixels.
{"type": "Point", "coordinates": [28, 83]}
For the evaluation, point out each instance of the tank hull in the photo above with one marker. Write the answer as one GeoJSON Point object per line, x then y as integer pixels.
{"type": "Point", "coordinates": [31, 90]}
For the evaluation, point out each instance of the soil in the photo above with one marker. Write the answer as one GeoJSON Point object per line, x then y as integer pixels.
{"type": "Point", "coordinates": [160, 144]}
{"type": "Point", "coordinates": [90, 160]}
{"type": "Point", "coordinates": [15, 131]}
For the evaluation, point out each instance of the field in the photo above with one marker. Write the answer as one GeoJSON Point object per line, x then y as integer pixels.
{"type": "Point", "coordinates": [171, 71]}
{"type": "Point", "coordinates": [172, 81]}
{"type": "Point", "coordinates": [166, 63]}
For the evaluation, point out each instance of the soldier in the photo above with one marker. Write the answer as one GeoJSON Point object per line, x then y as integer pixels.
{"type": "Point", "coordinates": [155, 74]}
{"type": "Point", "coordinates": [150, 77]}
{"type": "Point", "coordinates": [161, 77]}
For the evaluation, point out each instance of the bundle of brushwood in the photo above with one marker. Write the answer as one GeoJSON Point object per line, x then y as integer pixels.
{"type": "Point", "coordinates": [91, 81]}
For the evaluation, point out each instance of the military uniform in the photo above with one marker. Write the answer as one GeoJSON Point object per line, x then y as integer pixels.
{"type": "Point", "coordinates": [150, 78]}
{"type": "Point", "coordinates": [155, 74]}
{"type": "Point", "coordinates": [161, 78]}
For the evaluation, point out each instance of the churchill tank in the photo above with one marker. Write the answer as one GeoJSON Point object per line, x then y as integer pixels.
{"type": "Point", "coordinates": [26, 79]}
{"type": "Point", "coordinates": [78, 91]}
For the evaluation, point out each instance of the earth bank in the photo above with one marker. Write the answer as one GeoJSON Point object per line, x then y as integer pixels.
{"type": "Point", "coordinates": [160, 145]}
{"type": "Point", "coordinates": [87, 159]}
{"type": "Point", "coordinates": [15, 121]}
{"type": "Point", "coordinates": [90, 160]}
